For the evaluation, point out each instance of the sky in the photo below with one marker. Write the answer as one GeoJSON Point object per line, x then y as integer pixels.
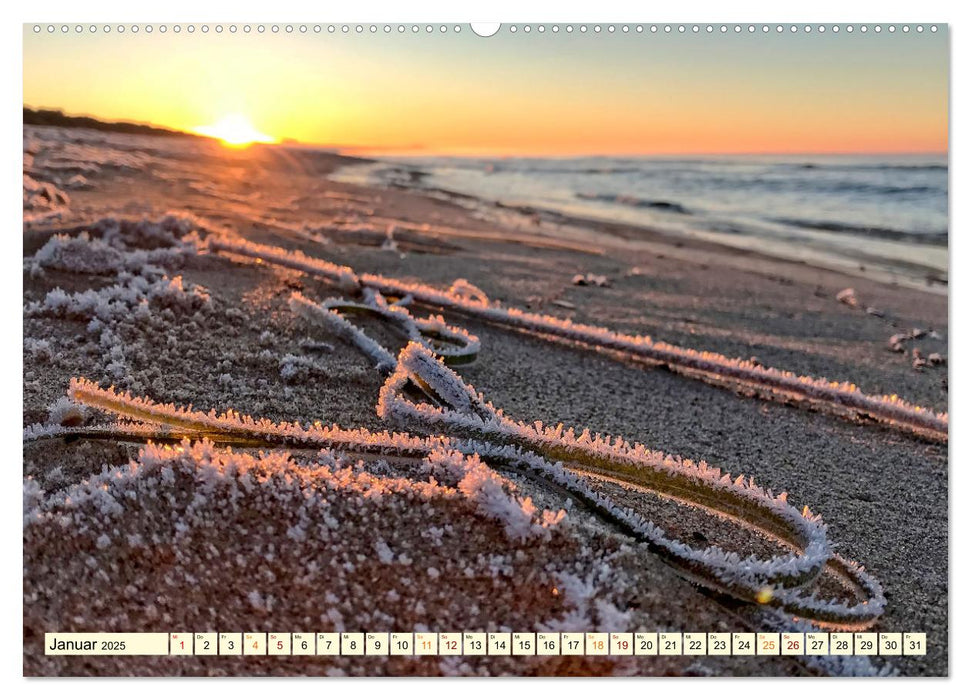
{"type": "Point", "coordinates": [517, 94]}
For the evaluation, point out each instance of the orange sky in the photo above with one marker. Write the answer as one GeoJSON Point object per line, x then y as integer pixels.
{"type": "Point", "coordinates": [516, 93]}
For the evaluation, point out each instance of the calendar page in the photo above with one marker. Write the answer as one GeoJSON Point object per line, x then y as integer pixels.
{"type": "Point", "coordinates": [449, 349]}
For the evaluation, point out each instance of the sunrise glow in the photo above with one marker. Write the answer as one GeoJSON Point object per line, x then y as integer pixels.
{"type": "Point", "coordinates": [234, 130]}
{"type": "Point", "coordinates": [513, 94]}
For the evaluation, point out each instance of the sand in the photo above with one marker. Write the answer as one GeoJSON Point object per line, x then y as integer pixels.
{"type": "Point", "coordinates": [882, 493]}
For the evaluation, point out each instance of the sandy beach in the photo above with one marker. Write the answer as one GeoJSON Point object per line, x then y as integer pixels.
{"type": "Point", "coordinates": [185, 535]}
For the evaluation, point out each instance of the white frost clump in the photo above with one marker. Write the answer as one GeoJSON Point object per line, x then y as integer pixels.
{"type": "Point", "coordinates": [121, 301]}
{"type": "Point", "coordinates": [385, 555]}
{"type": "Point", "coordinates": [114, 245]}
{"type": "Point", "coordinates": [40, 350]}
{"type": "Point", "coordinates": [295, 368]}
{"type": "Point", "coordinates": [66, 412]}
{"type": "Point", "coordinates": [171, 230]}
{"type": "Point", "coordinates": [584, 609]}
{"type": "Point", "coordinates": [33, 500]}
{"type": "Point", "coordinates": [79, 254]}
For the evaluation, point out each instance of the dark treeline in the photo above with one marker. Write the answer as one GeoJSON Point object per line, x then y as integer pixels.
{"type": "Point", "coordinates": [55, 117]}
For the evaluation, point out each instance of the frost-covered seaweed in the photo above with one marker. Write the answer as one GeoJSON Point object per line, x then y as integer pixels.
{"type": "Point", "coordinates": [340, 275]}
{"type": "Point", "coordinates": [837, 397]}
{"type": "Point", "coordinates": [453, 344]}
{"type": "Point", "coordinates": [465, 414]}
{"type": "Point", "coordinates": [324, 316]}
{"type": "Point", "coordinates": [481, 484]}
{"type": "Point", "coordinates": [462, 413]}
{"type": "Point", "coordinates": [777, 580]}
{"type": "Point", "coordinates": [473, 427]}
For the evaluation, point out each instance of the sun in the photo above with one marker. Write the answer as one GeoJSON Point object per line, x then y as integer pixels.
{"type": "Point", "coordinates": [235, 130]}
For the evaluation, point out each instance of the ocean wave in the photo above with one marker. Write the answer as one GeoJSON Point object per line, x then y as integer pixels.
{"type": "Point", "coordinates": [935, 237]}
{"type": "Point", "coordinates": [869, 166]}
{"type": "Point", "coordinates": [631, 201]}
{"type": "Point", "coordinates": [401, 175]}
{"type": "Point", "coordinates": [875, 189]}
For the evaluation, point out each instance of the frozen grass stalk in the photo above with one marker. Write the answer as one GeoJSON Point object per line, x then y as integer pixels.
{"type": "Point", "coordinates": [841, 398]}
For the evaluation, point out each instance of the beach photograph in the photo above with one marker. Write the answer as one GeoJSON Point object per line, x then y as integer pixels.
{"type": "Point", "coordinates": [592, 349]}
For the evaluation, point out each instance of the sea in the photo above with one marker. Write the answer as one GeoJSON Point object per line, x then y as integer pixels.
{"type": "Point", "coordinates": [886, 215]}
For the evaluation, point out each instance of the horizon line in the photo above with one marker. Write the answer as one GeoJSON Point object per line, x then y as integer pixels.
{"type": "Point", "coordinates": [370, 151]}
{"type": "Point", "coordinates": [364, 151]}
